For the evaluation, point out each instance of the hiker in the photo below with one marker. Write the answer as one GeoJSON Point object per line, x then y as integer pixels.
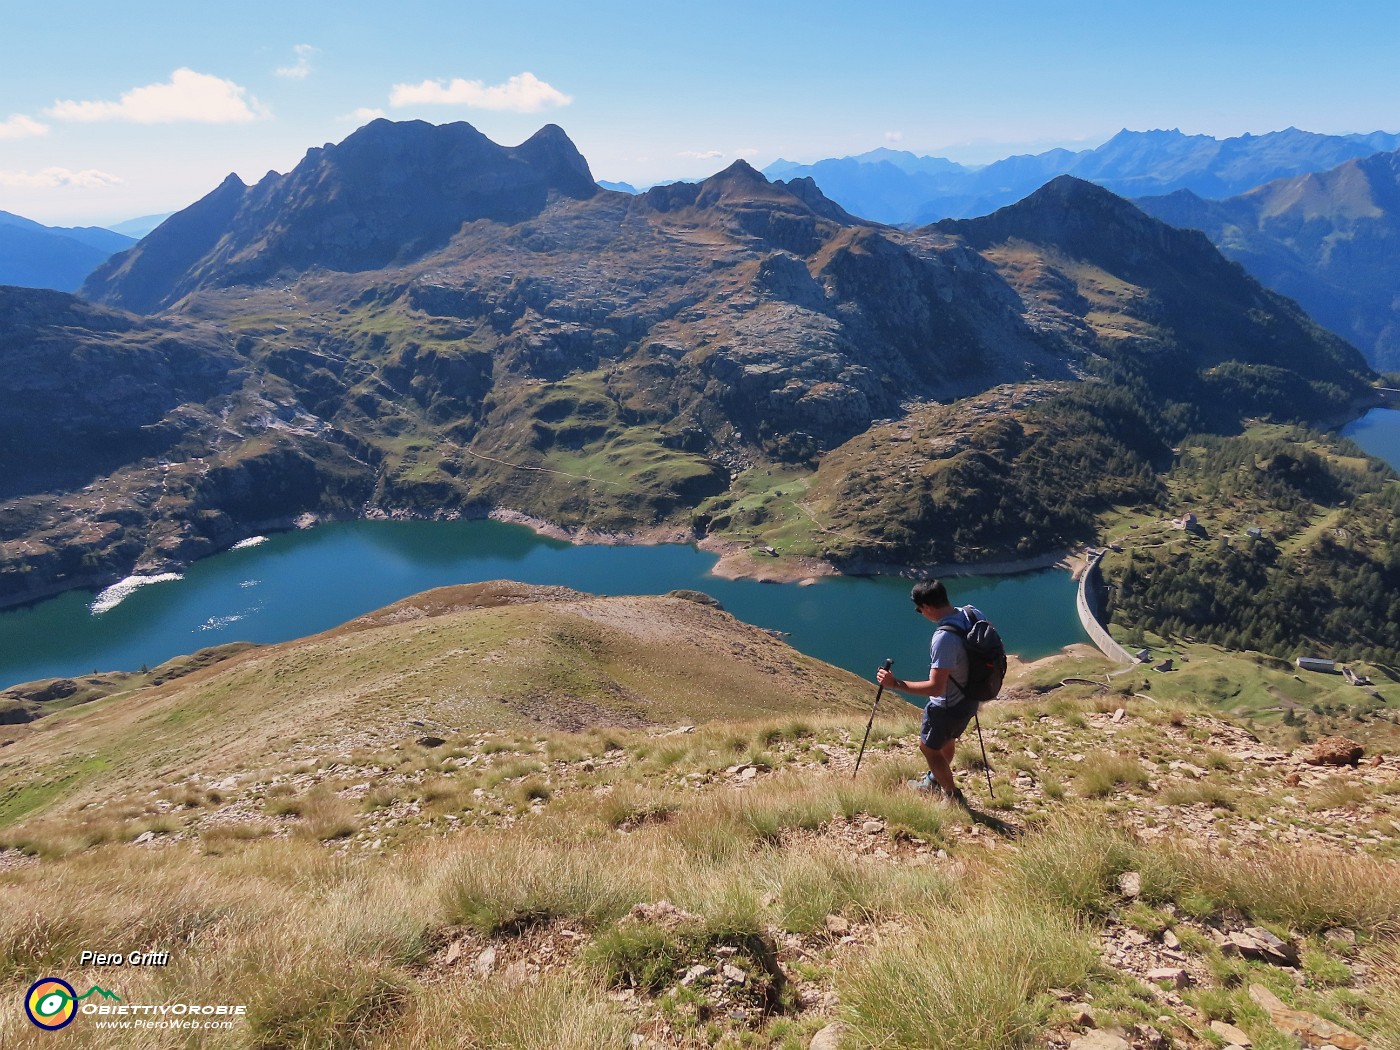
{"type": "Point", "coordinates": [948, 712]}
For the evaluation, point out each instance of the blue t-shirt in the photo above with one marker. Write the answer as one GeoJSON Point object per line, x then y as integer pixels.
{"type": "Point", "coordinates": [947, 650]}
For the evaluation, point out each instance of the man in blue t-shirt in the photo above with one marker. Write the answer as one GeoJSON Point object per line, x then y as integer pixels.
{"type": "Point", "coordinates": [947, 714]}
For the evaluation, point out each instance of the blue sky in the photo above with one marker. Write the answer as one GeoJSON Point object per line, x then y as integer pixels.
{"type": "Point", "coordinates": [110, 111]}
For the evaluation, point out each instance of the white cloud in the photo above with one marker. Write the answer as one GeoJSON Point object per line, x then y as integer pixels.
{"type": "Point", "coordinates": [302, 68]}
{"type": "Point", "coordinates": [522, 93]}
{"type": "Point", "coordinates": [690, 154]}
{"type": "Point", "coordinates": [894, 136]}
{"type": "Point", "coordinates": [21, 127]}
{"type": "Point", "coordinates": [58, 178]}
{"type": "Point", "coordinates": [364, 115]}
{"type": "Point", "coordinates": [187, 97]}
{"type": "Point", "coordinates": [747, 152]}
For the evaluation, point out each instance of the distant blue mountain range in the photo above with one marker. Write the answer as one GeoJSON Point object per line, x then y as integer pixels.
{"type": "Point", "coordinates": [140, 226]}
{"type": "Point", "coordinates": [36, 256]}
{"type": "Point", "coordinates": [900, 188]}
{"type": "Point", "coordinates": [1327, 239]}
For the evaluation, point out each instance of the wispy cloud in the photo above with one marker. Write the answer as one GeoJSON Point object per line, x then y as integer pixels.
{"type": "Point", "coordinates": [57, 178]}
{"type": "Point", "coordinates": [522, 93]}
{"type": "Point", "coordinates": [301, 69]}
{"type": "Point", "coordinates": [188, 97]}
{"type": "Point", "coordinates": [894, 136]}
{"type": "Point", "coordinates": [21, 127]}
{"type": "Point", "coordinates": [364, 115]}
{"type": "Point", "coordinates": [709, 154]}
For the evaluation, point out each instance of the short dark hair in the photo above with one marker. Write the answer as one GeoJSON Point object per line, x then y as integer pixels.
{"type": "Point", "coordinates": [930, 592]}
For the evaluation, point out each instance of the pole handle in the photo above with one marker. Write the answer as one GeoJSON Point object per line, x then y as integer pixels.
{"type": "Point", "coordinates": [889, 662]}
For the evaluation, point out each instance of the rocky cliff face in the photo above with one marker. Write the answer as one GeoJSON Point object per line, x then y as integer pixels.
{"type": "Point", "coordinates": [88, 388]}
{"type": "Point", "coordinates": [151, 273]}
{"type": "Point", "coordinates": [131, 442]}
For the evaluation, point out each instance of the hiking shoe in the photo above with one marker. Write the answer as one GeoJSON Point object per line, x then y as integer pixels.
{"type": "Point", "coordinates": [927, 784]}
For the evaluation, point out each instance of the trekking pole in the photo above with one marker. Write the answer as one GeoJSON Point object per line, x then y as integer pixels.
{"type": "Point", "coordinates": [888, 664]}
{"type": "Point", "coordinates": [985, 764]}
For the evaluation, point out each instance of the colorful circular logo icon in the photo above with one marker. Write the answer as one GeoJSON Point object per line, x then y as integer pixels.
{"type": "Point", "coordinates": [51, 1003]}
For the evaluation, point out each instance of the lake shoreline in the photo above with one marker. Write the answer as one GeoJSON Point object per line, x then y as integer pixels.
{"type": "Point", "coordinates": [736, 560]}
{"type": "Point", "coordinates": [742, 561]}
{"type": "Point", "coordinates": [305, 581]}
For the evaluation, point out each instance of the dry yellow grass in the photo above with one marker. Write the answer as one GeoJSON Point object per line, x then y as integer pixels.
{"type": "Point", "coordinates": [483, 657]}
{"type": "Point", "coordinates": [353, 894]}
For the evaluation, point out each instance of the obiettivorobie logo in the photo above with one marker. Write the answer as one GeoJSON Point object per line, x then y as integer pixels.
{"type": "Point", "coordinates": [51, 1003]}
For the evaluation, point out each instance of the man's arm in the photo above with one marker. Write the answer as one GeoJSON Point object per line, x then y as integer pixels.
{"type": "Point", "coordinates": [936, 685]}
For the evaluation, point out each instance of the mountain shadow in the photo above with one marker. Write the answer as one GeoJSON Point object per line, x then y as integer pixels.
{"type": "Point", "coordinates": [1330, 240]}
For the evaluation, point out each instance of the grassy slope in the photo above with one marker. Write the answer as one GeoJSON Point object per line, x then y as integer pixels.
{"type": "Point", "coordinates": [312, 856]}
{"type": "Point", "coordinates": [480, 657]}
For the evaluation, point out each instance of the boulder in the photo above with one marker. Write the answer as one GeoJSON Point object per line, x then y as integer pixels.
{"type": "Point", "coordinates": [1230, 1033]}
{"type": "Point", "coordinates": [1101, 1040]}
{"type": "Point", "coordinates": [1334, 751]}
{"type": "Point", "coordinates": [1309, 1029]}
{"type": "Point", "coordinates": [1173, 975]}
{"type": "Point", "coordinates": [1258, 943]}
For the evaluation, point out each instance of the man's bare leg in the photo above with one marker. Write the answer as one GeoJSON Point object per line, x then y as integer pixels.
{"type": "Point", "coordinates": [940, 764]}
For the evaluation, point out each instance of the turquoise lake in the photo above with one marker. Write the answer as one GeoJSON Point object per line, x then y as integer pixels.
{"type": "Point", "coordinates": [299, 583]}
{"type": "Point", "coordinates": [1378, 432]}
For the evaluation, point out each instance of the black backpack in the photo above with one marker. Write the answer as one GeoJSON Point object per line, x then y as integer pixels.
{"type": "Point", "coordinates": [986, 659]}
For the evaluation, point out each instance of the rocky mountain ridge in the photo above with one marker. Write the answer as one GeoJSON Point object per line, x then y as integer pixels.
{"type": "Point", "coordinates": [389, 193]}
{"type": "Point", "coordinates": [616, 362]}
{"type": "Point", "coordinates": [1326, 239]}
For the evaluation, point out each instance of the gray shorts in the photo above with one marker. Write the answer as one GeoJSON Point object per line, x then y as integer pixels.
{"type": "Point", "coordinates": [942, 724]}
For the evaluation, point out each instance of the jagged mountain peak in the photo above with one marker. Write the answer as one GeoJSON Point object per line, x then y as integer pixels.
{"type": "Point", "coordinates": [741, 185]}
{"type": "Point", "coordinates": [390, 193]}
{"type": "Point", "coordinates": [1160, 272]}
{"type": "Point", "coordinates": [551, 148]}
{"type": "Point", "coordinates": [740, 170]}
{"type": "Point", "coordinates": [386, 152]}
{"type": "Point", "coordinates": [1083, 220]}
